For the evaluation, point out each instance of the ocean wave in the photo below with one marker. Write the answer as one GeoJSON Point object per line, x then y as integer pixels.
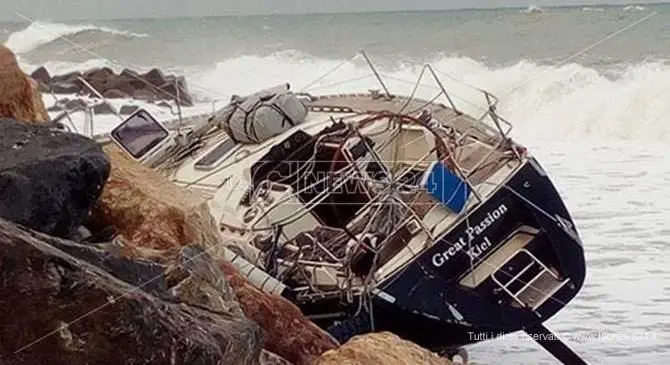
{"type": "Point", "coordinates": [567, 101]}
{"type": "Point", "coordinates": [634, 8]}
{"type": "Point", "coordinates": [571, 100]}
{"type": "Point", "coordinates": [40, 33]}
{"type": "Point", "coordinates": [532, 9]}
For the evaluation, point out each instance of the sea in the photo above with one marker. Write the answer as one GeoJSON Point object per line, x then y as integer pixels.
{"type": "Point", "coordinates": [587, 90]}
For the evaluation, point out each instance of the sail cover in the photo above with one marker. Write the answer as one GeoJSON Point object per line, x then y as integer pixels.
{"type": "Point", "coordinates": [257, 117]}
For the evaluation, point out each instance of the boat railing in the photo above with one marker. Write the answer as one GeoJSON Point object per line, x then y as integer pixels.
{"type": "Point", "coordinates": [499, 131]}
{"type": "Point", "coordinates": [67, 114]}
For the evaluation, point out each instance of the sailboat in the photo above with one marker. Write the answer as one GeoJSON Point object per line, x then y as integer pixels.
{"type": "Point", "coordinates": [374, 211]}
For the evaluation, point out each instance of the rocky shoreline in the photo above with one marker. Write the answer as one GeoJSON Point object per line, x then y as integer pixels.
{"type": "Point", "coordinates": [152, 86]}
{"type": "Point", "coordinates": [103, 260]}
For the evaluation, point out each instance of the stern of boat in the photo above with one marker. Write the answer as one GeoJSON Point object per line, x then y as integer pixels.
{"type": "Point", "coordinates": [510, 264]}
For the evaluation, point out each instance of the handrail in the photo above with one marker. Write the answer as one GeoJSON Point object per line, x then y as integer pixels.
{"type": "Point", "coordinates": [444, 90]}
{"type": "Point", "coordinates": [374, 70]}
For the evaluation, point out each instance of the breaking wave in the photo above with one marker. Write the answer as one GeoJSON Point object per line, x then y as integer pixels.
{"type": "Point", "coordinates": [571, 100]}
{"type": "Point", "coordinates": [40, 33]}
{"type": "Point", "coordinates": [532, 9]}
{"type": "Point", "coordinates": [634, 8]}
{"type": "Point", "coordinates": [567, 101]}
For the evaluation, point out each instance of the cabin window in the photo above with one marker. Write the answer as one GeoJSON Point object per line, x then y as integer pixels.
{"type": "Point", "coordinates": [139, 134]}
{"type": "Point", "coordinates": [215, 156]}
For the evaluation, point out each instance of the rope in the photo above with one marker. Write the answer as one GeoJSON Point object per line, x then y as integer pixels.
{"type": "Point", "coordinates": [329, 72]}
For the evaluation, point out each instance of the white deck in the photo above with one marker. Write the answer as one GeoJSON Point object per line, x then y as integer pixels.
{"type": "Point", "coordinates": [226, 181]}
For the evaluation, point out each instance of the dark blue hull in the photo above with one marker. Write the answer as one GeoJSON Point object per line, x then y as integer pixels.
{"type": "Point", "coordinates": [432, 303]}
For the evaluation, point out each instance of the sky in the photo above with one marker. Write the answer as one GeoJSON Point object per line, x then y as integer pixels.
{"type": "Point", "coordinates": [106, 9]}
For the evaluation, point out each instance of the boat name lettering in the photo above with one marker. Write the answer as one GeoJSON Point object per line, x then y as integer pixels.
{"type": "Point", "coordinates": [474, 250]}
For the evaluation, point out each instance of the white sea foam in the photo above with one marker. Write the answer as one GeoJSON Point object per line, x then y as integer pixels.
{"type": "Point", "coordinates": [570, 101]}
{"type": "Point", "coordinates": [40, 33]}
{"type": "Point", "coordinates": [634, 8]}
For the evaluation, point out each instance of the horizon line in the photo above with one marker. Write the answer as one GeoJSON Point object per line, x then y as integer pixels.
{"type": "Point", "coordinates": [317, 13]}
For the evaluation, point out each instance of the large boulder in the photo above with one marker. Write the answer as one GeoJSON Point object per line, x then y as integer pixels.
{"type": "Point", "coordinates": [41, 75]}
{"type": "Point", "coordinates": [195, 278]}
{"type": "Point", "coordinates": [49, 179]}
{"type": "Point", "coordinates": [149, 212]}
{"type": "Point", "coordinates": [380, 348]}
{"type": "Point", "coordinates": [58, 309]}
{"type": "Point", "coordinates": [155, 77]}
{"type": "Point", "coordinates": [188, 275]}
{"type": "Point", "coordinates": [268, 358]}
{"type": "Point", "coordinates": [65, 88]}
{"type": "Point", "coordinates": [67, 84]}
{"type": "Point", "coordinates": [20, 97]}
{"type": "Point", "coordinates": [119, 84]}
{"type": "Point", "coordinates": [70, 77]}
{"type": "Point", "coordinates": [287, 332]}
{"type": "Point", "coordinates": [176, 87]}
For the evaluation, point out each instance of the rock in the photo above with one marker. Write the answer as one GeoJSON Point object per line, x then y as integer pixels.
{"type": "Point", "coordinates": [103, 108]}
{"type": "Point", "coordinates": [128, 109]}
{"type": "Point", "coordinates": [98, 78]}
{"type": "Point", "coordinates": [71, 78]}
{"type": "Point", "coordinates": [41, 75]}
{"type": "Point", "coordinates": [155, 77]}
{"type": "Point", "coordinates": [195, 279]}
{"type": "Point", "coordinates": [98, 74]}
{"type": "Point", "coordinates": [145, 95]}
{"type": "Point", "coordinates": [55, 108]}
{"type": "Point", "coordinates": [65, 88]}
{"type": "Point", "coordinates": [150, 212]}
{"type": "Point", "coordinates": [115, 260]}
{"type": "Point", "coordinates": [150, 87]}
{"type": "Point", "coordinates": [20, 97]}
{"type": "Point", "coordinates": [117, 83]}
{"type": "Point", "coordinates": [288, 333]}
{"type": "Point", "coordinates": [164, 104]}
{"type": "Point", "coordinates": [49, 179]}
{"type": "Point", "coordinates": [43, 88]}
{"type": "Point", "coordinates": [75, 104]}
{"type": "Point", "coordinates": [133, 78]}
{"type": "Point", "coordinates": [172, 90]}
{"type": "Point", "coordinates": [61, 310]}
{"type": "Point", "coordinates": [188, 276]}
{"type": "Point", "coordinates": [115, 94]}
{"type": "Point", "coordinates": [380, 348]}
{"type": "Point", "coordinates": [268, 358]}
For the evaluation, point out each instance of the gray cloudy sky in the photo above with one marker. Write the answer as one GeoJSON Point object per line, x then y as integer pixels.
{"type": "Point", "coordinates": [85, 9]}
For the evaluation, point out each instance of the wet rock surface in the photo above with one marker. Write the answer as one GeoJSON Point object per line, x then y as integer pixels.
{"type": "Point", "coordinates": [147, 275]}
{"type": "Point", "coordinates": [268, 358]}
{"type": "Point", "coordinates": [196, 279]}
{"type": "Point", "coordinates": [149, 212]}
{"type": "Point", "coordinates": [49, 179]}
{"type": "Point", "coordinates": [58, 309]}
{"type": "Point", "coordinates": [380, 348]}
{"type": "Point", "coordinates": [151, 86]}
